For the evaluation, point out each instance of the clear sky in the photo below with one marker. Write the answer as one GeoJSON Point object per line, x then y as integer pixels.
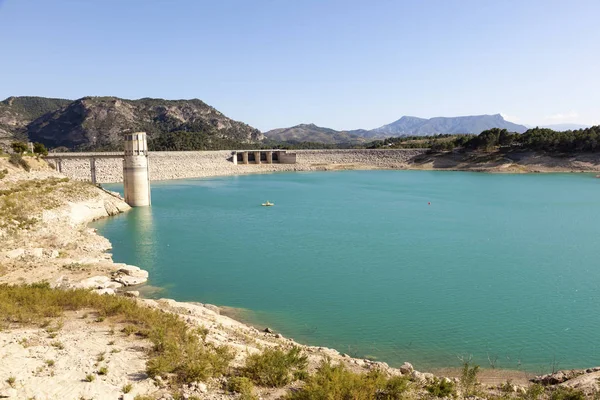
{"type": "Point", "coordinates": [344, 64]}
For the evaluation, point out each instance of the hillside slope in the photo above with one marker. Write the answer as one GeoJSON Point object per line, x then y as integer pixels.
{"type": "Point", "coordinates": [18, 112]}
{"type": "Point", "coordinates": [312, 133]}
{"type": "Point", "coordinates": [93, 122]}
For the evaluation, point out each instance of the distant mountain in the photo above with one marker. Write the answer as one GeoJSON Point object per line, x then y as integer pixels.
{"type": "Point", "coordinates": [98, 122]}
{"type": "Point", "coordinates": [452, 125]}
{"type": "Point", "coordinates": [565, 127]}
{"type": "Point", "coordinates": [312, 133]}
{"type": "Point", "coordinates": [405, 126]}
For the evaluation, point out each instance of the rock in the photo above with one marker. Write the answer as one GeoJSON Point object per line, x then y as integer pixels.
{"type": "Point", "coordinates": [36, 252]}
{"type": "Point", "coordinates": [130, 280]}
{"type": "Point", "coordinates": [130, 275]}
{"type": "Point", "coordinates": [417, 376]}
{"type": "Point", "coordinates": [131, 293]}
{"type": "Point", "coordinates": [8, 393]}
{"type": "Point", "coordinates": [114, 285]}
{"type": "Point", "coordinates": [213, 308]}
{"type": "Point", "coordinates": [54, 254]}
{"type": "Point", "coordinates": [15, 253]}
{"type": "Point", "coordinates": [278, 336]}
{"type": "Point", "coordinates": [95, 282]}
{"type": "Point", "coordinates": [133, 271]}
{"type": "Point", "coordinates": [406, 368]}
{"type": "Point", "coordinates": [422, 376]}
{"type": "Point", "coordinates": [127, 396]}
{"type": "Point", "coordinates": [202, 388]}
{"type": "Point", "coordinates": [268, 330]}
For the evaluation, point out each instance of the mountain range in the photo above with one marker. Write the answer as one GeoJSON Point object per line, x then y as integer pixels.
{"type": "Point", "coordinates": [98, 122]}
{"type": "Point", "coordinates": [405, 126]}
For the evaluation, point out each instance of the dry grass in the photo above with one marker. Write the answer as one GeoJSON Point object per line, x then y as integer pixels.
{"type": "Point", "coordinates": [21, 203]}
{"type": "Point", "coordinates": [178, 352]}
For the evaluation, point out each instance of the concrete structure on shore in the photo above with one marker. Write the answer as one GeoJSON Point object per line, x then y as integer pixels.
{"type": "Point", "coordinates": [136, 178]}
{"type": "Point", "coordinates": [263, 157]}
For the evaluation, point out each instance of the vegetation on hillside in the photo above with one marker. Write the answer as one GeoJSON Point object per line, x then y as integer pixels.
{"type": "Point", "coordinates": [536, 139]}
{"type": "Point", "coordinates": [31, 107]}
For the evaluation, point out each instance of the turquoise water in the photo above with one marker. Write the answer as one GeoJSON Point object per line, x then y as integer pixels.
{"type": "Point", "coordinates": [499, 265]}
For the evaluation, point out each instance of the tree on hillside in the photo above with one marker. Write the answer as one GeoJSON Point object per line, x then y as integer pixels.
{"type": "Point", "coordinates": [40, 149]}
{"type": "Point", "coordinates": [19, 147]}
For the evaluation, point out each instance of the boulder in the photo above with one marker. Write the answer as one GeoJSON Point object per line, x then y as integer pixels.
{"type": "Point", "coordinates": [126, 280]}
{"type": "Point", "coordinates": [16, 253]}
{"type": "Point", "coordinates": [130, 275]}
{"type": "Point", "coordinates": [131, 293]}
{"type": "Point", "coordinates": [406, 368]}
{"type": "Point", "coordinates": [95, 282]}
{"type": "Point", "coordinates": [36, 252]}
{"type": "Point", "coordinates": [132, 270]}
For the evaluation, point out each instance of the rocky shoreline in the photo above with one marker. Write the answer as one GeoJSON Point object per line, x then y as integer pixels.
{"type": "Point", "coordinates": [62, 250]}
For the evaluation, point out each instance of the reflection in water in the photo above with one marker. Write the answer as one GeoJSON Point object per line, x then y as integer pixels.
{"type": "Point", "coordinates": [140, 225]}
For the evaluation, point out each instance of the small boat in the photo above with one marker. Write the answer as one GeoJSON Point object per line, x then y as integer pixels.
{"type": "Point", "coordinates": [268, 204]}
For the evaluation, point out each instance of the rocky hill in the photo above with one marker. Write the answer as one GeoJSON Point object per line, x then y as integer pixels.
{"type": "Point", "coordinates": [98, 122]}
{"type": "Point", "coordinates": [312, 133]}
{"type": "Point", "coordinates": [16, 113]}
{"type": "Point", "coordinates": [452, 125]}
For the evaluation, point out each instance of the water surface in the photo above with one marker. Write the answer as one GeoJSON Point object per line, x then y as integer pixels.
{"type": "Point", "coordinates": [504, 266]}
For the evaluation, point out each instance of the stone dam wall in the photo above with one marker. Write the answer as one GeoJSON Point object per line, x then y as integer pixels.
{"type": "Point", "coordinates": [166, 165]}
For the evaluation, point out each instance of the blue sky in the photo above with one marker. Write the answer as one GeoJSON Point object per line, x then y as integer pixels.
{"type": "Point", "coordinates": [343, 64]}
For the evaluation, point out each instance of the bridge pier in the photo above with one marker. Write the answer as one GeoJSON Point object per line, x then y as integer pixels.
{"type": "Point", "coordinates": [93, 169]}
{"type": "Point", "coordinates": [234, 158]}
{"type": "Point", "coordinates": [269, 157]}
{"type": "Point", "coordinates": [257, 157]}
{"type": "Point", "coordinates": [136, 179]}
{"type": "Point", "coordinates": [244, 157]}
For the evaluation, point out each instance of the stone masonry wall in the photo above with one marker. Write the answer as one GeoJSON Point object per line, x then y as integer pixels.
{"type": "Point", "coordinates": [196, 164]}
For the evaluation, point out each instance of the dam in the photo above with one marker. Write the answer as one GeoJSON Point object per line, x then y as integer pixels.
{"type": "Point", "coordinates": [107, 167]}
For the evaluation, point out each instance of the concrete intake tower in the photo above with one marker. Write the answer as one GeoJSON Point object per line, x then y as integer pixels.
{"type": "Point", "coordinates": [136, 180]}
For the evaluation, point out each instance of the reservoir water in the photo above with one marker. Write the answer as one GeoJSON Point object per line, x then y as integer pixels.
{"type": "Point", "coordinates": [398, 266]}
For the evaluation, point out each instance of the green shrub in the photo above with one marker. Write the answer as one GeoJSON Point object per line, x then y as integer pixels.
{"type": "Point", "coordinates": [275, 367]}
{"type": "Point", "coordinates": [103, 371]}
{"type": "Point", "coordinates": [11, 381]}
{"type": "Point", "coordinates": [564, 393]}
{"type": "Point", "coordinates": [17, 160]}
{"type": "Point", "coordinates": [243, 386]}
{"type": "Point", "coordinates": [40, 149]}
{"type": "Point", "coordinates": [468, 379]}
{"type": "Point", "coordinates": [19, 147]}
{"type": "Point", "coordinates": [127, 388]}
{"type": "Point", "coordinates": [3, 173]}
{"type": "Point", "coordinates": [534, 392]}
{"type": "Point", "coordinates": [441, 388]}
{"type": "Point", "coordinates": [90, 378]}
{"type": "Point", "coordinates": [338, 383]}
